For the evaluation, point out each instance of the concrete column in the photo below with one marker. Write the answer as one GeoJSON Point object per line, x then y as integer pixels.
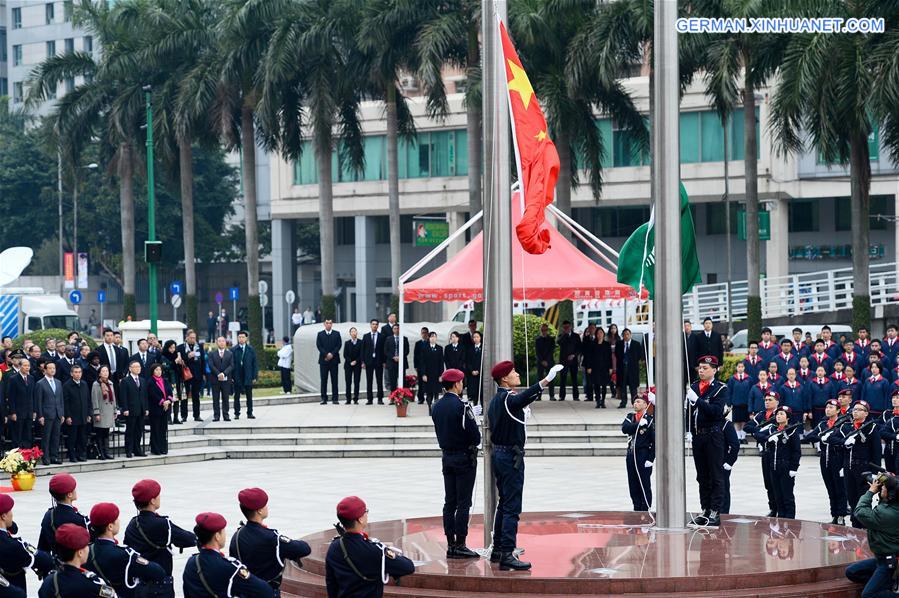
{"type": "Point", "coordinates": [284, 273]}
{"type": "Point", "coordinates": [777, 250]}
{"type": "Point", "coordinates": [455, 221]}
{"type": "Point", "coordinates": [365, 268]}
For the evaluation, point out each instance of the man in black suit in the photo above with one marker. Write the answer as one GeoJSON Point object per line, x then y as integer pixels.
{"type": "Point", "coordinates": [393, 359]}
{"type": "Point", "coordinates": [421, 345]}
{"type": "Point", "coordinates": [76, 396]}
{"type": "Point", "coordinates": [628, 354]}
{"type": "Point", "coordinates": [221, 367]}
{"type": "Point", "coordinates": [708, 342]}
{"type": "Point", "coordinates": [20, 407]}
{"type": "Point", "coordinates": [352, 366]}
{"type": "Point", "coordinates": [134, 406]}
{"type": "Point", "coordinates": [51, 354]}
{"type": "Point", "coordinates": [569, 352]}
{"type": "Point", "coordinates": [454, 354]}
{"type": "Point", "coordinates": [373, 360]}
{"type": "Point", "coordinates": [328, 344]}
{"type": "Point", "coordinates": [545, 346]}
{"type": "Point", "coordinates": [110, 356]}
{"type": "Point", "coordinates": [387, 329]}
{"type": "Point", "coordinates": [65, 363]}
{"type": "Point", "coordinates": [688, 347]}
{"type": "Point", "coordinates": [466, 339]}
{"type": "Point", "coordinates": [193, 355]}
{"type": "Point", "coordinates": [144, 356]}
{"type": "Point", "coordinates": [433, 368]}
{"type": "Point", "coordinates": [473, 368]}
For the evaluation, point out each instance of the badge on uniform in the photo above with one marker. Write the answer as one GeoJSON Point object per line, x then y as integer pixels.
{"type": "Point", "coordinates": [389, 554]}
{"type": "Point", "coordinates": [642, 432]}
{"type": "Point", "coordinates": [285, 539]}
{"type": "Point", "coordinates": [30, 548]}
{"type": "Point", "coordinates": [142, 561]}
{"type": "Point", "coordinates": [107, 592]}
{"type": "Point", "coordinates": [244, 573]}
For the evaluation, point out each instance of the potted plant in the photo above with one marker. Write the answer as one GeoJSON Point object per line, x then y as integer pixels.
{"type": "Point", "coordinates": [401, 397]}
{"type": "Point", "coordinates": [20, 463]}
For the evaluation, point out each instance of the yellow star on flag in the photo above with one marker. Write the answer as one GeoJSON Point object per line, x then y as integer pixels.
{"type": "Point", "coordinates": [521, 84]}
{"type": "Point", "coordinates": [540, 136]}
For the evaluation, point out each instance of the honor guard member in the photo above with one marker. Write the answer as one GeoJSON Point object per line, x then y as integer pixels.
{"type": "Point", "coordinates": [889, 433]}
{"type": "Point", "coordinates": [70, 580]}
{"type": "Point", "coordinates": [861, 439]}
{"type": "Point", "coordinates": [16, 554]}
{"type": "Point", "coordinates": [707, 398]}
{"type": "Point", "coordinates": [62, 489]}
{"type": "Point", "coordinates": [458, 435]}
{"type": "Point", "coordinates": [641, 453]}
{"type": "Point", "coordinates": [785, 439]}
{"type": "Point", "coordinates": [759, 423]}
{"type": "Point", "coordinates": [356, 566]}
{"type": "Point", "coordinates": [829, 443]}
{"type": "Point", "coordinates": [210, 573]}
{"type": "Point", "coordinates": [122, 568]}
{"type": "Point", "coordinates": [732, 442]}
{"type": "Point", "coordinates": [508, 413]}
{"type": "Point", "coordinates": [263, 550]}
{"type": "Point", "coordinates": [152, 534]}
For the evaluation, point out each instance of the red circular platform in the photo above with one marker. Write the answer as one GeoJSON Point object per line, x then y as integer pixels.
{"type": "Point", "coordinates": [618, 553]}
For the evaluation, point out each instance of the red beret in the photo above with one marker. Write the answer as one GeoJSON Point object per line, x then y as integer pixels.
{"type": "Point", "coordinates": [252, 498]}
{"type": "Point", "coordinates": [709, 360]}
{"type": "Point", "coordinates": [501, 370]}
{"type": "Point", "coordinates": [785, 408]}
{"type": "Point", "coordinates": [62, 483]}
{"type": "Point", "coordinates": [895, 391]}
{"type": "Point", "coordinates": [452, 375]}
{"type": "Point", "coordinates": [71, 536]}
{"type": "Point", "coordinates": [863, 404]}
{"type": "Point", "coordinates": [351, 507]}
{"type": "Point", "coordinates": [145, 490]}
{"type": "Point", "coordinates": [104, 513]}
{"type": "Point", "coordinates": [211, 522]}
{"type": "Point", "coordinates": [845, 391]}
{"type": "Point", "coordinates": [833, 402]}
{"type": "Point", "coordinates": [773, 393]}
{"type": "Point", "coordinates": [6, 503]}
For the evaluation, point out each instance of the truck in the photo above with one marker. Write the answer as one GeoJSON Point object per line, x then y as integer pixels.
{"type": "Point", "coordinates": [28, 309]}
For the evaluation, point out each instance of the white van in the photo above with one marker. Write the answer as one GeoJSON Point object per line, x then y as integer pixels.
{"type": "Point", "coordinates": [535, 308]}
{"type": "Point", "coordinates": [741, 340]}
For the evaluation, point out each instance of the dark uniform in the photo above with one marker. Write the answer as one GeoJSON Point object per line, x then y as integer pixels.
{"type": "Point", "coordinates": [889, 433]}
{"type": "Point", "coordinates": [433, 368]}
{"type": "Point", "coordinates": [418, 362]}
{"type": "Point", "coordinates": [352, 352]}
{"type": "Point", "coordinates": [569, 355]}
{"type": "Point", "coordinates": [73, 582]}
{"type": "Point", "coordinates": [16, 555]}
{"type": "Point", "coordinates": [641, 449]}
{"type": "Point", "coordinates": [153, 535]}
{"type": "Point", "coordinates": [459, 435]}
{"type": "Point", "coordinates": [756, 424]}
{"type": "Point", "coordinates": [732, 442]}
{"type": "Point", "coordinates": [55, 517]}
{"type": "Point", "coordinates": [707, 428]}
{"type": "Point", "coordinates": [122, 568]}
{"type": "Point", "coordinates": [785, 456]}
{"type": "Point", "coordinates": [829, 442]}
{"type": "Point", "coordinates": [546, 349]}
{"type": "Point", "coordinates": [472, 380]}
{"type": "Point", "coordinates": [211, 573]}
{"type": "Point", "coordinates": [355, 564]}
{"type": "Point", "coordinates": [263, 550]}
{"type": "Point", "coordinates": [861, 447]}
{"type": "Point", "coordinates": [8, 590]}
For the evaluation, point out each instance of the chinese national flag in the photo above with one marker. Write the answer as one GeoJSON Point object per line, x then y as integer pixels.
{"type": "Point", "coordinates": [538, 161]}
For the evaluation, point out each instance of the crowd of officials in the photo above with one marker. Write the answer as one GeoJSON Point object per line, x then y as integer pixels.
{"type": "Point", "coordinates": [67, 394]}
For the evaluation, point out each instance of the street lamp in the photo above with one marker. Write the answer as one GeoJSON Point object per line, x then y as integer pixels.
{"type": "Point", "coordinates": [90, 166]}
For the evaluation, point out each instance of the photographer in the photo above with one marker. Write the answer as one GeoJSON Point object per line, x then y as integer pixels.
{"type": "Point", "coordinates": [882, 523]}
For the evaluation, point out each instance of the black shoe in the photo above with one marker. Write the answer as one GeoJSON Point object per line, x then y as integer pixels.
{"type": "Point", "coordinates": [576, 399]}
{"type": "Point", "coordinates": [598, 406]}
{"type": "Point", "coordinates": [251, 416]}
{"type": "Point", "coordinates": [128, 455]}
{"type": "Point", "coordinates": [82, 459]}
{"type": "Point", "coordinates": [215, 419]}
{"type": "Point", "coordinates": [461, 551]}
{"type": "Point", "coordinates": [561, 398]}
{"type": "Point", "coordinates": [772, 513]}
{"type": "Point", "coordinates": [198, 419]}
{"type": "Point", "coordinates": [380, 401]}
{"type": "Point", "coordinates": [841, 520]}
{"type": "Point", "coordinates": [699, 521]}
{"type": "Point", "coordinates": [56, 461]}
{"type": "Point", "coordinates": [421, 402]}
{"type": "Point", "coordinates": [602, 405]}
{"type": "Point", "coordinates": [509, 562]}
{"type": "Point", "coordinates": [588, 399]}
{"type": "Point", "coordinates": [622, 404]}
{"type": "Point", "coordinates": [495, 556]}
{"type": "Point", "coordinates": [227, 419]}
{"type": "Point", "coordinates": [347, 402]}
{"type": "Point", "coordinates": [714, 520]}
{"type": "Point", "coordinates": [335, 402]}
{"type": "Point", "coordinates": [834, 521]}
{"type": "Point", "coordinates": [369, 402]}
{"type": "Point", "coordinates": [323, 403]}
{"type": "Point", "coordinates": [140, 454]}
{"type": "Point", "coordinates": [552, 398]}
{"type": "Point", "coordinates": [236, 416]}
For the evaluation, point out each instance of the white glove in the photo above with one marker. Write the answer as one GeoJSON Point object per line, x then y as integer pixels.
{"type": "Point", "coordinates": [647, 464]}
{"type": "Point", "coordinates": [477, 409]}
{"type": "Point", "coordinates": [688, 437]}
{"type": "Point", "coordinates": [772, 438]}
{"type": "Point", "coordinates": [643, 422]}
{"type": "Point", "coordinates": [792, 474]}
{"type": "Point", "coordinates": [826, 436]}
{"type": "Point", "coordinates": [728, 467]}
{"type": "Point", "coordinates": [553, 371]}
{"type": "Point", "coordinates": [692, 396]}
{"type": "Point", "coordinates": [651, 396]}
{"type": "Point", "coordinates": [850, 441]}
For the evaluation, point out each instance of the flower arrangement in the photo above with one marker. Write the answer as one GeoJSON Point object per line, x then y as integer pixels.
{"type": "Point", "coordinates": [21, 460]}
{"type": "Point", "coordinates": [410, 381]}
{"type": "Point", "coordinates": [402, 396]}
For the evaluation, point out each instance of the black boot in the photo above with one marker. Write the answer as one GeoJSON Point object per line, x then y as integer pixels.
{"type": "Point", "coordinates": [509, 562]}
{"type": "Point", "coordinates": [495, 556]}
{"type": "Point", "coordinates": [461, 551]}
{"type": "Point", "coordinates": [450, 547]}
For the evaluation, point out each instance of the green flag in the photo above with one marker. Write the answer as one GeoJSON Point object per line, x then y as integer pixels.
{"type": "Point", "coordinates": [636, 261]}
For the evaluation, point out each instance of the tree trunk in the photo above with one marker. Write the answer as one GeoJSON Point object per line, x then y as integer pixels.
{"type": "Point", "coordinates": [326, 212]}
{"type": "Point", "coordinates": [753, 268]}
{"type": "Point", "coordinates": [475, 141]}
{"type": "Point", "coordinates": [126, 206]}
{"type": "Point", "coordinates": [860, 184]}
{"type": "Point", "coordinates": [248, 163]}
{"type": "Point", "coordinates": [186, 173]}
{"type": "Point", "coordinates": [393, 190]}
{"type": "Point", "coordinates": [563, 185]}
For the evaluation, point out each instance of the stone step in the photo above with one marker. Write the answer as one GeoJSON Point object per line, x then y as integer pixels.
{"type": "Point", "coordinates": [238, 427]}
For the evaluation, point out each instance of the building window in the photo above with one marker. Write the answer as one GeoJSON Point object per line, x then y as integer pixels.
{"type": "Point", "coordinates": [48, 13]}
{"type": "Point", "coordinates": [4, 86]}
{"type": "Point", "coordinates": [67, 11]}
{"type": "Point", "coordinates": [17, 55]}
{"type": "Point", "coordinates": [618, 222]}
{"type": "Point", "coordinates": [873, 148]}
{"type": "Point", "coordinates": [70, 45]}
{"type": "Point", "coordinates": [625, 151]}
{"type": "Point", "coordinates": [17, 92]}
{"type": "Point", "coordinates": [715, 217]}
{"type": "Point", "coordinates": [344, 231]}
{"type": "Point", "coordinates": [87, 44]}
{"type": "Point", "coordinates": [70, 84]}
{"type": "Point", "coordinates": [804, 217]}
{"type": "Point", "coordinates": [882, 210]}
{"type": "Point", "coordinates": [51, 49]}
{"type": "Point", "coordinates": [17, 18]}
{"type": "Point", "coordinates": [3, 44]}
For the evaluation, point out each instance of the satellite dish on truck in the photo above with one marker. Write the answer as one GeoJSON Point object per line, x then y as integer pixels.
{"type": "Point", "coordinates": [13, 262]}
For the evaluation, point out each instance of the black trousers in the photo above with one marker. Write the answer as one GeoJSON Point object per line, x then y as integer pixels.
{"type": "Point", "coordinates": [725, 506]}
{"type": "Point", "coordinates": [221, 397]}
{"type": "Point", "coordinates": [352, 376]}
{"type": "Point", "coordinates": [134, 434]}
{"type": "Point", "coordinates": [639, 479]}
{"type": "Point", "coordinates": [286, 382]}
{"type": "Point", "coordinates": [563, 376]}
{"type": "Point", "coordinates": [192, 387]}
{"type": "Point", "coordinates": [767, 464]}
{"type": "Point", "coordinates": [623, 387]}
{"type": "Point", "coordinates": [374, 373]}
{"type": "Point", "coordinates": [422, 391]}
{"type": "Point", "coordinates": [473, 387]}
{"type": "Point", "coordinates": [326, 370]}
{"type": "Point", "coordinates": [708, 456]}
{"type": "Point", "coordinates": [855, 487]}
{"type": "Point", "coordinates": [541, 374]}
{"type": "Point", "coordinates": [391, 368]}
{"type": "Point", "coordinates": [22, 431]}
{"type": "Point", "coordinates": [783, 492]}
{"type": "Point", "coordinates": [508, 467]}
{"type": "Point", "coordinates": [159, 432]}
{"type": "Point", "coordinates": [836, 486]}
{"type": "Point", "coordinates": [246, 391]}
{"type": "Point", "coordinates": [76, 441]}
{"type": "Point", "coordinates": [459, 473]}
{"type": "Point", "coordinates": [102, 436]}
{"type": "Point", "coordinates": [600, 383]}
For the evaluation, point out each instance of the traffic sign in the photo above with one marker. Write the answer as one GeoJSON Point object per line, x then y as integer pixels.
{"type": "Point", "coordinates": [101, 296]}
{"type": "Point", "coordinates": [234, 293]}
{"type": "Point", "coordinates": [290, 297]}
{"type": "Point", "coordinates": [175, 287]}
{"type": "Point", "coordinates": [75, 297]}
{"type": "Point", "coordinates": [219, 297]}
{"type": "Point", "coordinates": [176, 301]}
{"type": "Point", "coordinates": [263, 287]}
{"type": "Point", "coordinates": [263, 300]}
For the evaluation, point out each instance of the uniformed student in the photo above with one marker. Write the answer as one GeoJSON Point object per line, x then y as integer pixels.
{"type": "Point", "coordinates": [707, 398]}
{"type": "Point", "coordinates": [848, 392]}
{"type": "Point", "coordinates": [355, 566]}
{"type": "Point", "coordinates": [210, 573]}
{"type": "Point", "coordinates": [785, 451]}
{"type": "Point", "coordinates": [732, 443]}
{"type": "Point", "coordinates": [829, 443]}
{"type": "Point", "coordinates": [262, 549]}
{"type": "Point", "coordinates": [786, 359]}
{"type": "Point", "coordinates": [17, 555]}
{"type": "Point", "coordinates": [740, 388]}
{"type": "Point", "coordinates": [820, 390]}
{"type": "Point", "coordinates": [508, 413]}
{"type": "Point", "coordinates": [122, 568]}
{"type": "Point", "coordinates": [768, 347]}
{"type": "Point", "coordinates": [458, 435]}
{"type": "Point", "coordinates": [759, 422]}
{"type": "Point", "coordinates": [753, 362]}
{"type": "Point", "coordinates": [861, 439]}
{"type": "Point", "coordinates": [641, 453]}
{"type": "Point", "coordinates": [69, 580]}
{"type": "Point", "coordinates": [758, 394]}
{"type": "Point", "coordinates": [62, 489]}
{"type": "Point", "coordinates": [794, 394]}
{"type": "Point", "coordinates": [876, 389]}
{"type": "Point", "coordinates": [889, 433]}
{"type": "Point", "coordinates": [151, 534]}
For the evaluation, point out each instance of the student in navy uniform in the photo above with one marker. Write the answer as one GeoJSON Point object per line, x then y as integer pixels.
{"type": "Point", "coordinates": [829, 443]}
{"type": "Point", "coordinates": [799, 347]}
{"type": "Point", "coordinates": [545, 347]}
{"type": "Point", "coordinates": [890, 344]}
{"type": "Point", "coordinates": [753, 362]}
{"type": "Point", "coordinates": [708, 398]}
{"type": "Point", "coordinates": [209, 569]}
{"type": "Point", "coordinates": [473, 371]}
{"type": "Point", "coordinates": [768, 347]}
{"type": "Point", "coordinates": [508, 413]}
{"type": "Point", "coordinates": [70, 580]}
{"type": "Point", "coordinates": [327, 342]}
{"type": "Point", "coordinates": [732, 442]}
{"type": "Point", "coordinates": [786, 359]}
{"type": "Point", "coordinates": [758, 394]}
{"type": "Point", "coordinates": [794, 394]}
{"type": "Point", "coordinates": [62, 489]}
{"type": "Point", "coordinates": [889, 429]}
{"type": "Point", "coordinates": [785, 451]}
{"type": "Point", "coordinates": [759, 424]}
{"type": "Point", "coordinates": [866, 371]}
{"type": "Point", "coordinates": [739, 389]}
{"type": "Point", "coordinates": [262, 549]}
{"type": "Point", "coordinates": [820, 390]}
{"type": "Point", "coordinates": [876, 349]}
{"type": "Point", "coordinates": [458, 435]}
{"type": "Point", "coordinates": [838, 374]}
{"type": "Point", "coordinates": [352, 366]}
{"type": "Point", "coordinates": [418, 361]}
{"type": "Point", "coordinates": [862, 340]}
{"type": "Point", "coordinates": [850, 356]}
{"type": "Point", "coordinates": [17, 555]}
{"type": "Point", "coordinates": [776, 378]}
{"type": "Point", "coordinates": [851, 382]}
{"type": "Point", "coordinates": [354, 564]}
{"type": "Point", "coordinates": [433, 368]}
{"type": "Point", "coordinates": [876, 390]}
{"type": "Point", "coordinates": [805, 372]}
{"type": "Point", "coordinates": [641, 453]}
{"type": "Point", "coordinates": [152, 534]}
{"type": "Point", "coordinates": [122, 568]}
{"type": "Point", "coordinates": [861, 439]}
{"type": "Point", "coordinates": [821, 357]}
{"type": "Point", "coordinates": [832, 348]}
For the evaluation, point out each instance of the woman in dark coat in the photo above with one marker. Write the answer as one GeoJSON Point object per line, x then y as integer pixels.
{"type": "Point", "coordinates": [602, 368]}
{"type": "Point", "coordinates": [159, 399]}
{"type": "Point", "coordinates": [171, 371]}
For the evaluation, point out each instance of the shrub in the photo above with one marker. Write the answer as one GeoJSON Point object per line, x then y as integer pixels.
{"type": "Point", "coordinates": [519, 350]}
{"type": "Point", "coordinates": [729, 367]}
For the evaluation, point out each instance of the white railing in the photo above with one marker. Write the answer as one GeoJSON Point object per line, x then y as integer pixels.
{"type": "Point", "coordinates": [791, 295]}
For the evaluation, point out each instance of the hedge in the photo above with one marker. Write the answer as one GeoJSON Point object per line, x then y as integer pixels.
{"type": "Point", "coordinates": [533, 324]}
{"type": "Point", "coordinates": [41, 337]}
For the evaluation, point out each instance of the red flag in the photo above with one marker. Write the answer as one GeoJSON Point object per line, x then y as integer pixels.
{"type": "Point", "coordinates": [538, 161]}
